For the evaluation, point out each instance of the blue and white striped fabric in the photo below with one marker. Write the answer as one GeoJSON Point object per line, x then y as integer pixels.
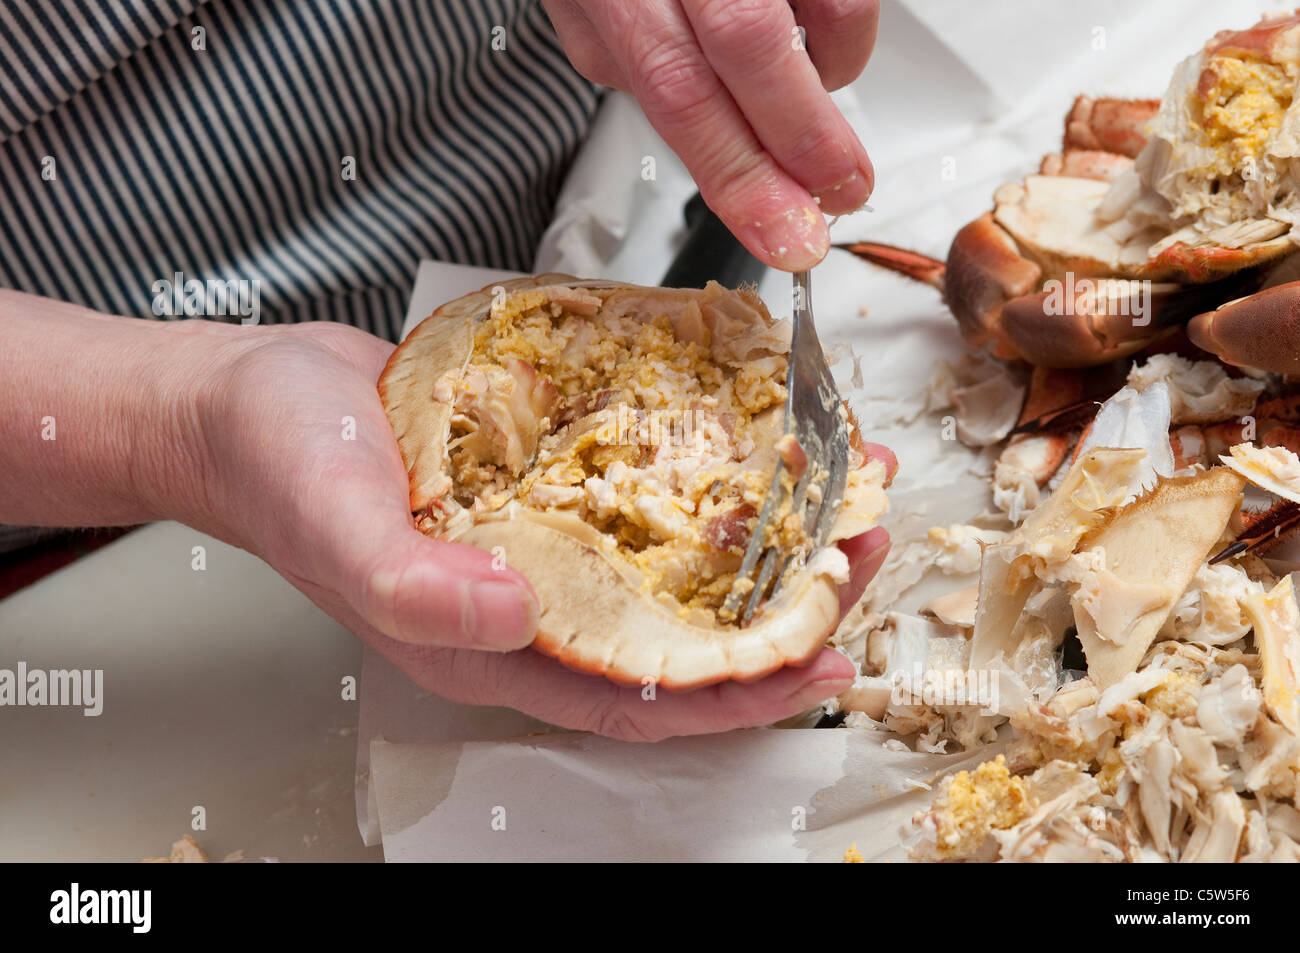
{"type": "Point", "coordinates": [144, 138]}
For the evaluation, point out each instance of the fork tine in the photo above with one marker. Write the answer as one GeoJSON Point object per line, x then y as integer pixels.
{"type": "Point", "coordinates": [813, 414]}
{"type": "Point", "coordinates": [834, 486]}
{"type": "Point", "coordinates": [760, 585]}
{"type": "Point", "coordinates": [757, 541]}
{"type": "Point", "coordinates": [801, 506]}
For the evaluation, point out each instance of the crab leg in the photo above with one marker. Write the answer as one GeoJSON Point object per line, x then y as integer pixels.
{"type": "Point", "coordinates": [1261, 331]}
{"type": "Point", "coordinates": [1109, 125]}
{"type": "Point", "coordinates": [914, 265]}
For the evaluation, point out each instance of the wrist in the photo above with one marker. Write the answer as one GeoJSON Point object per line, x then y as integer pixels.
{"type": "Point", "coordinates": [97, 418]}
{"type": "Point", "coordinates": [173, 472]}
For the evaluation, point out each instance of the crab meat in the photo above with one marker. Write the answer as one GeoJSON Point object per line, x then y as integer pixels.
{"type": "Point", "coordinates": [1026, 464]}
{"type": "Point", "coordinates": [987, 398]}
{"type": "Point", "coordinates": [960, 546]}
{"type": "Point", "coordinates": [1200, 392]}
{"type": "Point", "coordinates": [503, 411]}
{"type": "Point", "coordinates": [1228, 707]}
{"type": "Point", "coordinates": [1212, 610]}
{"type": "Point", "coordinates": [1276, 469]}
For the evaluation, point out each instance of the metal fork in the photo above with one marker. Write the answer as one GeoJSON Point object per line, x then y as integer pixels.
{"type": "Point", "coordinates": [814, 414]}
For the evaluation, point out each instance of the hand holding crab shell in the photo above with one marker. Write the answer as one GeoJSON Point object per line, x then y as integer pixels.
{"type": "Point", "coordinates": [525, 419]}
{"type": "Point", "coordinates": [1155, 214]}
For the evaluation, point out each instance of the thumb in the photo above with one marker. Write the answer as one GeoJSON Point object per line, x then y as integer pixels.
{"type": "Point", "coordinates": [420, 590]}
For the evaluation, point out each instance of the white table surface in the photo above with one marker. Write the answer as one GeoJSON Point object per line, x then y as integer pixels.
{"type": "Point", "coordinates": [222, 689]}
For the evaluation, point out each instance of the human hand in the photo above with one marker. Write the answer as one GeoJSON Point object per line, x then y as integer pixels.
{"type": "Point", "coordinates": [332, 515]}
{"type": "Point", "coordinates": [730, 87]}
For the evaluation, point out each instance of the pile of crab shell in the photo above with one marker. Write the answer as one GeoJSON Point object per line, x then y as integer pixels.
{"type": "Point", "coordinates": [1122, 629]}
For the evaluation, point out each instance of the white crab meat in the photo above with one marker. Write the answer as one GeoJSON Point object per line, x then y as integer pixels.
{"type": "Point", "coordinates": [960, 546]}
{"type": "Point", "coordinates": [1228, 707]}
{"type": "Point", "coordinates": [1212, 610]}
{"type": "Point", "coordinates": [1139, 420]}
{"type": "Point", "coordinates": [1200, 392]}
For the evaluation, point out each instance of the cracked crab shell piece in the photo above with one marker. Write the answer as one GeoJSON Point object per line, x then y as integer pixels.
{"type": "Point", "coordinates": [1277, 635]}
{"type": "Point", "coordinates": [1275, 469]}
{"type": "Point", "coordinates": [1053, 217]}
{"type": "Point", "coordinates": [1096, 483]}
{"type": "Point", "coordinates": [597, 614]}
{"type": "Point", "coordinates": [954, 608]}
{"type": "Point", "coordinates": [1157, 542]}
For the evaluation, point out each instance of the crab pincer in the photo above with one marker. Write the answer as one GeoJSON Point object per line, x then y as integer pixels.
{"type": "Point", "coordinates": [1261, 330]}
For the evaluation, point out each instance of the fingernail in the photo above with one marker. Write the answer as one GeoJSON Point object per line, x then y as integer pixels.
{"type": "Point", "coordinates": [814, 693]}
{"type": "Point", "coordinates": [847, 195]}
{"type": "Point", "coordinates": [796, 239]}
{"type": "Point", "coordinates": [499, 616]}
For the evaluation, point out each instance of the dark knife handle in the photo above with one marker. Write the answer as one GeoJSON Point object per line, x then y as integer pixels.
{"type": "Point", "coordinates": [710, 252]}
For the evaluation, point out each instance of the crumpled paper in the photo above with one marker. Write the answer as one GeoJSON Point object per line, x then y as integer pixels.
{"type": "Point", "coordinates": [958, 98]}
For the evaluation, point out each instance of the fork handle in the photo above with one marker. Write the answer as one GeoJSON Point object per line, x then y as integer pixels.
{"type": "Point", "coordinates": [710, 251]}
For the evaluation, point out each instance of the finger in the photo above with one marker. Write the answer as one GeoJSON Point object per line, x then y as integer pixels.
{"type": "Point", "coordinates": [763, 206]}
{"type": "Point", "coordinates": [839, 35]}
{"type": "Point", "coordinates": [412, 588]}
{"type": "Point", "coordinates": [866, 554]}
{"type": "Point", "coordinates": [541, 687]}
{"type": "Point", "coordinates": [753, 47]}
{"type": "Point", "coordinates": [876, 451]}
{"type": "Point", "coordinates": [583, 45]}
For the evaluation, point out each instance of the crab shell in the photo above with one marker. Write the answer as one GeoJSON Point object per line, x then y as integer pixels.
{"type": "Point", "coordinates": [998, 264]}
{"type": "Point", "coordinates": [596, 615]}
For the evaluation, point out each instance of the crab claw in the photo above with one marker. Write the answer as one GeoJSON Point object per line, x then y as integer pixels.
{"type": "Point", "coordinates": [1261, 330]}
{"type": "Point", "coordinates": [1097, 322]}
{"type": "Point", "coordinates": [985, 271]}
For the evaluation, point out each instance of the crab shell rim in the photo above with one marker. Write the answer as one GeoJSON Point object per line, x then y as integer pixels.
{"type": "Point", "coordinates": [594, 618]}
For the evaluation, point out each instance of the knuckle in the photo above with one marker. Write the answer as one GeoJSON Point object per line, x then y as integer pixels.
{"type": "Point", "coordinates": [466, 676]}
{"type": "Point", "coordinates": [673, 80]}
{"type": "Point", "coordinates": [380, 583]}
{"type": "Point", "coordinates": [612, 718]}
{"type": "Point", "coordinates": [817, 156]}
{"type": "Point", "coordinates": [740, 182]}
{"type": "Point", "coordinates": [846, 13]}
{"type": "Point", "coordinates": [747, 27]}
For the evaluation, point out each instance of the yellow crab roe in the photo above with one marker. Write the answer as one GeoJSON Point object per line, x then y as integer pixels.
{"type": "Point", "coordinates": [988, 799]}
{"type": "Point", "coordinates": [650, 368]}
{"type": "Point", "coordinates": [1112, 769]}
{"type": "Point", "coordinates": [1176, 696]}
{"type": "Point", "coordinates": [1243, 108]}
{"type": "Point", "coordinates": [853, 855]}
{"type": "Point", "coordinates": [650, 362]}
